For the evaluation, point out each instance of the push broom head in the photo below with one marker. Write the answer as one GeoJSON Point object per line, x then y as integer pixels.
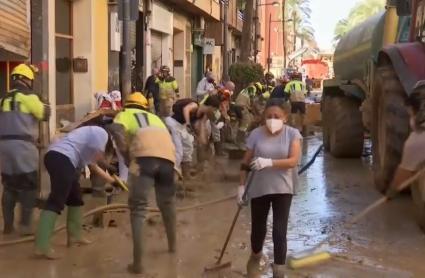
{"type": "Point", "coordinates": [308, 259]}
{"type": "Point", "coordinates": [218, 267]}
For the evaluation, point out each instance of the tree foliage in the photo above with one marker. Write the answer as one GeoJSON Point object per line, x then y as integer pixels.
{"type": "Point", "coordinates": [300, 13]}
{"type": "Point", "coordinates": [244, 73]}
{"type": "Point", "coordinates": [358, 14]}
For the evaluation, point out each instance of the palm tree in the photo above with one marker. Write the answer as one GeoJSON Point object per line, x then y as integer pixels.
{"type": "Point", "coordinates": [357, 15]}
{"type": "Point", "coordinates": [300, 13]}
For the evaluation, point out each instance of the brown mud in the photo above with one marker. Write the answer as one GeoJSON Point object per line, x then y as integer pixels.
{"type": "Point", "coordinates": [387, 243]}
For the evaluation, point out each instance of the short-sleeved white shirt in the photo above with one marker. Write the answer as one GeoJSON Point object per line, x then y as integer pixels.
{"type": "Point", "coordinates": [414, 152]}
{"type": "Point", "coordinates": [265, 145]}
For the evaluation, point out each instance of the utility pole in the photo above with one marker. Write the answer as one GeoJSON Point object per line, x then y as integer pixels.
{"type": "Point", "coordinates": [225, 76]}
{"type": "Point", "coordinates": [269, 59]}
{"type": "Point", "coordinates": [256, 31]}
{"type": "Point", "coordinates": [126, 51]}
{"type": "Point", "coordinates": [284, 34]}
{"type": "Point", "coordinates": [40, 58]}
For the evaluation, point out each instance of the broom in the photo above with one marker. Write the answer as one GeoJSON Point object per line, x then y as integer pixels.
{"type": "Point", "coordinates": [315, 256]}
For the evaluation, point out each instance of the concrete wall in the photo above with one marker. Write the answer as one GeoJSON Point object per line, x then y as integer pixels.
{"type": "Point", "coordinates": [52, 66]}
{"type": "Point", "coordinates": [179, 52]}
{"type": "Point", "coordinates": [100, 44]}
{"type": "Point", "coordinates": [83, 47]}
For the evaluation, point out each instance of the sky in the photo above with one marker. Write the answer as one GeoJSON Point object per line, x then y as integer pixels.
{"type": "Point", "coordinates": [325, 15]}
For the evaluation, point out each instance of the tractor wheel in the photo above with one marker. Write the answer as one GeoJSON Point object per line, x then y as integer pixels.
{"type": "Point", "coordinates": [327, 117]}
{"type": "Point", "coordinates": [390, 126]}
{"type": "Point", "coordinates": [346, 129]}
{"type": "Point", "coordinates": [418, 196]}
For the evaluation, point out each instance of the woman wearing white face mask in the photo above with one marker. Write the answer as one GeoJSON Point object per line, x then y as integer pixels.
{"type": "Point", "coordinates": [274, 151]}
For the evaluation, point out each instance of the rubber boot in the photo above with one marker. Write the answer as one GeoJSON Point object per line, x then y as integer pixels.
{"type": "Point", "coordinates": [168, 212]}
{"type": "Point", "coordinates": [137, 232]}
{"type": "Point", "coordinates": [46, 226]}
{"type": "Point", "coordinates": [186, 170]}
{"type": "Point", "coordinates": [256, 265]}
{"type": "Point", "coordinates": [74, 227]}
{"type": "Point", "coordinates": [8, 207]}
{"type": "Point", "coordinates": [218, 149]}
{"type": "Point", "coordinates": [278, 271]}
{"type": "Point", "coordinates": [240, 138]}
{"type": "Point", "coordinates": [28, 200]}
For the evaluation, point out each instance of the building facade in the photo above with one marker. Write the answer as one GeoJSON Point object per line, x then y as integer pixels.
{"type": "Point", "coordinates": [77, 46]}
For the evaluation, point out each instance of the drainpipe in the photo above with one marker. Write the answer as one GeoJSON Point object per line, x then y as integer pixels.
{"type": "Point", "coordinates": [126, 51]}
{"type": "Point", "coordinates": [147, 12]}
{"type": "Point", "coordinates": [225, 43]}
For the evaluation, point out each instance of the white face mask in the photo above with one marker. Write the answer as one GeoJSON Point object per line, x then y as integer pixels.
{"type": "Point", "coordinates": [274, 125]}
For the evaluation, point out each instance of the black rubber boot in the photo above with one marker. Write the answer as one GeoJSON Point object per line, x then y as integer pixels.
{"type": "Point", "coordinates": [27, 199]}
{"type": "Point", "coordinates": [218, 149]}
{"type": "Point", "coordinates": [9, 199]}
{"type": "Point", "coordinates": [137, 231]}
{"type": "Point", "coordinates": [168, 212]}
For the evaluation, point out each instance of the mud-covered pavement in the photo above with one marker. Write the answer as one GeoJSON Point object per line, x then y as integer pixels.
{"type": "Point", "coordinates": [385, 244]}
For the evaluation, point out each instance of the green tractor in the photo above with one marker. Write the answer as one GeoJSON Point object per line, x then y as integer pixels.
{"type": "Point", "coordinates": [376, 66]}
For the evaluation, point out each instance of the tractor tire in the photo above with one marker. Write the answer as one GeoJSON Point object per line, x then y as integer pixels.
{"type": "Point", "coordinates": [390, 126]}
{"type": "Point", "coordinates": [418, 196]}
{"type": "Point", "coordinates": [346, 128]}
{"type": "Point", "coordinates": [327, 117]}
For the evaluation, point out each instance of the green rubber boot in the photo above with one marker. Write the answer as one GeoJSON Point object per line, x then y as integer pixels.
{"type": "Point", "coordinates": [45, 230]}
{"type": "Point", "coordinates": [74, 227]}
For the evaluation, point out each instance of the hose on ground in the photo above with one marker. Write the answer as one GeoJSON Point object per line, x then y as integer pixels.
{"type": "Point", "coordinates": [150, 209]}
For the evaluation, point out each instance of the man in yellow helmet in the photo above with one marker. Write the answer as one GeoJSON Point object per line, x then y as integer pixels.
{"type": "Point", "coordinates": [151, 154]}
{"type": "Point", "coordinates": [296, 89]}
{"type": "Point", "coordinates": [21, 110]}
{"type": "Point", "coordinates": [168, 91]}
{"type": "Point", "coordinates": [245, 101]}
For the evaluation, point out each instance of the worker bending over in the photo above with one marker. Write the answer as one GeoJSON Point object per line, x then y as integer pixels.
{"type": "Point", "coordinates": [149, 149]}
{"type": "Point", "coordinates": [297, 94]}
{"type": "Point", "coordinates": [413, 157]}
{"type": "Point", "coordinates": [20, 112]}
{"type": "Point", "coordinates": [64, 161]}
{"type": "Point", "coordinates": [245, 101]}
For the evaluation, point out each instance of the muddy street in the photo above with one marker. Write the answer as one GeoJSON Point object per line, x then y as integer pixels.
{"type": "Point", "coordinates": [387, 243]}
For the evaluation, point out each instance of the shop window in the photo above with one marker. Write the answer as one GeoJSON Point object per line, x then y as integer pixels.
{"type": "Point", "coordinates": [63, 17]}
{"type": "Point", "coordinates": [64, 42]}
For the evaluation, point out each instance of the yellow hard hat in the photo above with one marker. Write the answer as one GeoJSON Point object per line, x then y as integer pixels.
{"type": "Point", "coordinates": [24, 70]}
{"type": "Point", "coordinates": [137, 98]}
{"type": "Point", "coordinates": [259, 86]}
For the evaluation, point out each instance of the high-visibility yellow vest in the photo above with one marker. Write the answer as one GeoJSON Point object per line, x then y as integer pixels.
{"type": "Point", "coordinates": [19, 115]}
{"type": "Point", "coordinates": [133, 119]}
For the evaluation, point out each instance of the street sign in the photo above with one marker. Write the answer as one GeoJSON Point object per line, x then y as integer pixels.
{"type": "Point", "coordinates": [209, 45]}
{"type": "Point", "coordinates": [134, 10]}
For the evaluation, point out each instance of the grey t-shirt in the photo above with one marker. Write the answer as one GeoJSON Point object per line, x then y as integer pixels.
{"type": "Point", "coordinates": [272, 180]}
{"type": "Point", "coordinates": [81, 145]}
{"type": "Point", "coordinates": [414, 152]}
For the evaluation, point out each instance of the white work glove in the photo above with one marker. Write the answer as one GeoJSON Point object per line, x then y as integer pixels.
{"type": "Point", "coordinates": [239, 197]}
{"type": "Point", "coordinates": [261, 163]}
{"type": "Point", "coordinates": [219, 125]}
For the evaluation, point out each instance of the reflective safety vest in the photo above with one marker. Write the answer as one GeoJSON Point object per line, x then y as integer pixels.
{"type": "Point", "coordinates": [166, 86]}
{"type": "Point", "coordinates": [19, 116]}
{"type": "Point", "coordinates": [149, 135]}
{"type": "Point", "coordinates": [245, 96]}
{"type": "Point", "coordinates": [133, 119]}
{"type": "Point", "coordinates": [296, 90]}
